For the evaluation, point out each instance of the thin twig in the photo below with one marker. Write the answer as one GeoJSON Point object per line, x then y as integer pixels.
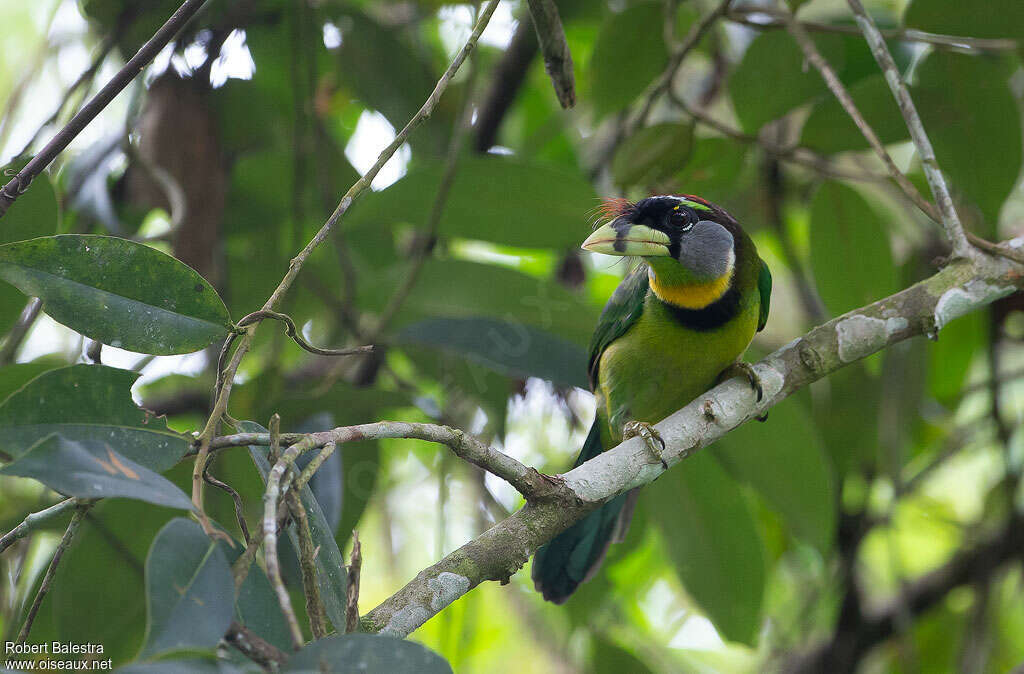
{"type": "Point", "coordinates": [360, 186]}
{"type": "Point", "coordinates": [940, 191]}
{"type": "Point", "coordinates": [253, 647]}
{"type": "Point", "coordinates": [795, 154]}
{"type": "Point", "coordinates": [236, 498]}
{"type": "Point", "coordinates": [838, 90]}
{"type": "Point", "coordinates": [86, 78]}
{"type": "Point", "coordinates": [429, 235]}
{"type": "Point", "coordinates": [664, 82]}
{"type": "Point", "coordinates": [307, 561]}
{"type": "Point", "coordinates": [775, 20]}
{"type": "Point", "coordinates": [555, 48]}
{"type": "Point", "coordinates": [20, 182]}
{"type": "Point", "coordinates": [240, 569]}
{"type": "Point", "coordinates": [314, 465]}
{"type": "Point", "coordinates": [293, 332]}
{"type": "Point", "coordinates": [17, 334]}
{"type": "Point", "coordinates": [527, 481]}
{"type": "Point", "coordinates": [51, 570]}
{"type": "Point", "coordinates": [270, 505]}
{"type": "Point", "coordinates": [352, 595]}
{"type": "Point", "coordinates": [32, 521]}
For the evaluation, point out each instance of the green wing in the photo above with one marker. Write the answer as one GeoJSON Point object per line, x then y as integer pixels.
{"type": "Point", "coordinates": [623, 309]}
{"type": "Point", "coordinates": [764, 287]}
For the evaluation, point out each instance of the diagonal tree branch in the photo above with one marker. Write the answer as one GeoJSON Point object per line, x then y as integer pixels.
{"type": "Point", "coordinates": [923, 308]}
{"type": "Point", "coordinates": [20, 182]}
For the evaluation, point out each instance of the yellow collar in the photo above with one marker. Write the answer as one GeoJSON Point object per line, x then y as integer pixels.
{"type": "Point", "coordinates": [692, 295]}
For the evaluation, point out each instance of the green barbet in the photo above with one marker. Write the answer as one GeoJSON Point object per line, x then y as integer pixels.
{"type": "Point", "coordinates": [675, 326]}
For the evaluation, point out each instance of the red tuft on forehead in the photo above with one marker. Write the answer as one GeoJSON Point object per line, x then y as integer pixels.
{"type": "Point", "coordinates": [699, 200]}
{"type": "Point", "coordinates": [614, 207]}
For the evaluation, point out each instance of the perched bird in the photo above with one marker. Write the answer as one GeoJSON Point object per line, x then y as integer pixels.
{"type": "Point", "coordinates": [675, 326]}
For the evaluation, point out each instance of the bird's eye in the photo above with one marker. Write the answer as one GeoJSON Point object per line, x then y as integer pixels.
{"type": "Point", "coordinates": [682, 220]}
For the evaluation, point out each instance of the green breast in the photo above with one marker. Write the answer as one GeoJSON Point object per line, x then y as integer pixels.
{"type": "Point", "coordinates": [659, 365]}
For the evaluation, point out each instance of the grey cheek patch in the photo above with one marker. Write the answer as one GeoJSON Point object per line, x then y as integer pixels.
{"type": "Point", "coordinates": [705, 250]}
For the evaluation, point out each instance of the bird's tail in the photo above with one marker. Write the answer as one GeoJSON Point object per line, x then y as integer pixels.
{"type": "Point", "coordinates": [574, 555]}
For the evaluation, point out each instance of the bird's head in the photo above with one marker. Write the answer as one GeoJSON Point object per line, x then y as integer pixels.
{"type": "Point", "coordinates": [684, 239]}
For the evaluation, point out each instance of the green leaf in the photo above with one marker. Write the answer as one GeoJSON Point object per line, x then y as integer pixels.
{"type": "Point", "coordinates": [850, 254]}
{"type": "Point", "coordinates": [652, 153]}
{"type": "Point", "coordinates": [713, 168]}
{"type": "Point", "coordinates": [85, 403]}
{"type": "Point", "coordinates": [847, 418]}
{"type": "Point", "coordinates": [190, 593]}
{"type": "Point", "coordinates": [367, 653]}
{"type": "Point", "coordinates": [950, 357]}
{"type": "Point", "coordinates": [497, 199]}
{"type": "Point", "coordinates": [461, 289]}
{"type": "Point", "coordinates": [13, 377]}
{"type": "Point", "coordinates": [974, 124]}
{"type": "Point", "coordinates": [989, 19]}
{"type": "Point", "coordinates": [829, 129]}
{"type": "Point", "coordinates": [119, 292]}
{"type": "Point", "coordinates": [772, 78]}
{"type": "Point", "coordinates": [713, 543]}
{"type": "Point", "coordinates": [784, 461]}
{"type": "Point", "coordinates": [332, 574]}
{"type": "Point", "coordinates": [608, 657]}
{"type": "Point", "coordinates": [256, 605]}
{"type": "Point", "coordinates": [628, 53]}
{"type": "Point", "coordinates": [510, 348]}
{"type": "Point", "coordinates": [92, 469]}
{"type": "Point", "coordinates": [35, 213]}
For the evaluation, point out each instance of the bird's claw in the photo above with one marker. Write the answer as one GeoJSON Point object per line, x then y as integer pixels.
{"type": "Point", "coordinates": [746, 370]}
{"type": "Point", "coordinates": [650, 436]}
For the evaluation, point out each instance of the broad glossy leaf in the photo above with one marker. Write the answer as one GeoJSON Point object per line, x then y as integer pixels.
{"type": "Point", "coordinates": [119, 292]}
{"type": "Point", "coordinates": [189, 590]}
{"type": "Point", "coordinates": [116, 535]}
{"type": "Point", "coordinates": [35, 213]}
{"type": "Point", "coordinates": [507, 347]}
{"type": "Point", "coordinates": [367, 653]}
{"type": "Point", "coordinates": [988, 19]}
{"type": "Point", "coordinates": [16, 375]}
{"type": "Point", "coordinates": [850, 254]}
{"type": "Point", "coordinates": [829, 129]}
{"type": "Point", "coordinates": [784, 461]}
{"type": "Point", "coordinates": [332, 574]}
{"type": "Point", "coordinates": [88, 402]}
{"type": "Point", "coordinates": [461, 289]}
{"type": "Point", "coordinates": [772, 78]}
{"type": "Point", "coordinates": [493, 198]}
{"type": "Point", "coordinates": [713, 543]}
{"type": "Point", "coordinates": [652, 153]}
{"type": "Point", "coordinates": [974, 124]}
{"type": "Point", "coordinates": [92, 469]}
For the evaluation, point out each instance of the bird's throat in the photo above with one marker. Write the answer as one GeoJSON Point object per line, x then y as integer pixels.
{"type": "Point", "coordinates": [690, 294]}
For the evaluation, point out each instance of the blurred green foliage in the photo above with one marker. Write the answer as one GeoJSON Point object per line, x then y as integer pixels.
{"type": "Point", "coordinates": [741, 559]}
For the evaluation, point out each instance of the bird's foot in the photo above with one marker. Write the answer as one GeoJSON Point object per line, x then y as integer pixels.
{"type": "Point", "coordinates": [746, 370]}
{"type": "Point", "coordinates": [651, 438]}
